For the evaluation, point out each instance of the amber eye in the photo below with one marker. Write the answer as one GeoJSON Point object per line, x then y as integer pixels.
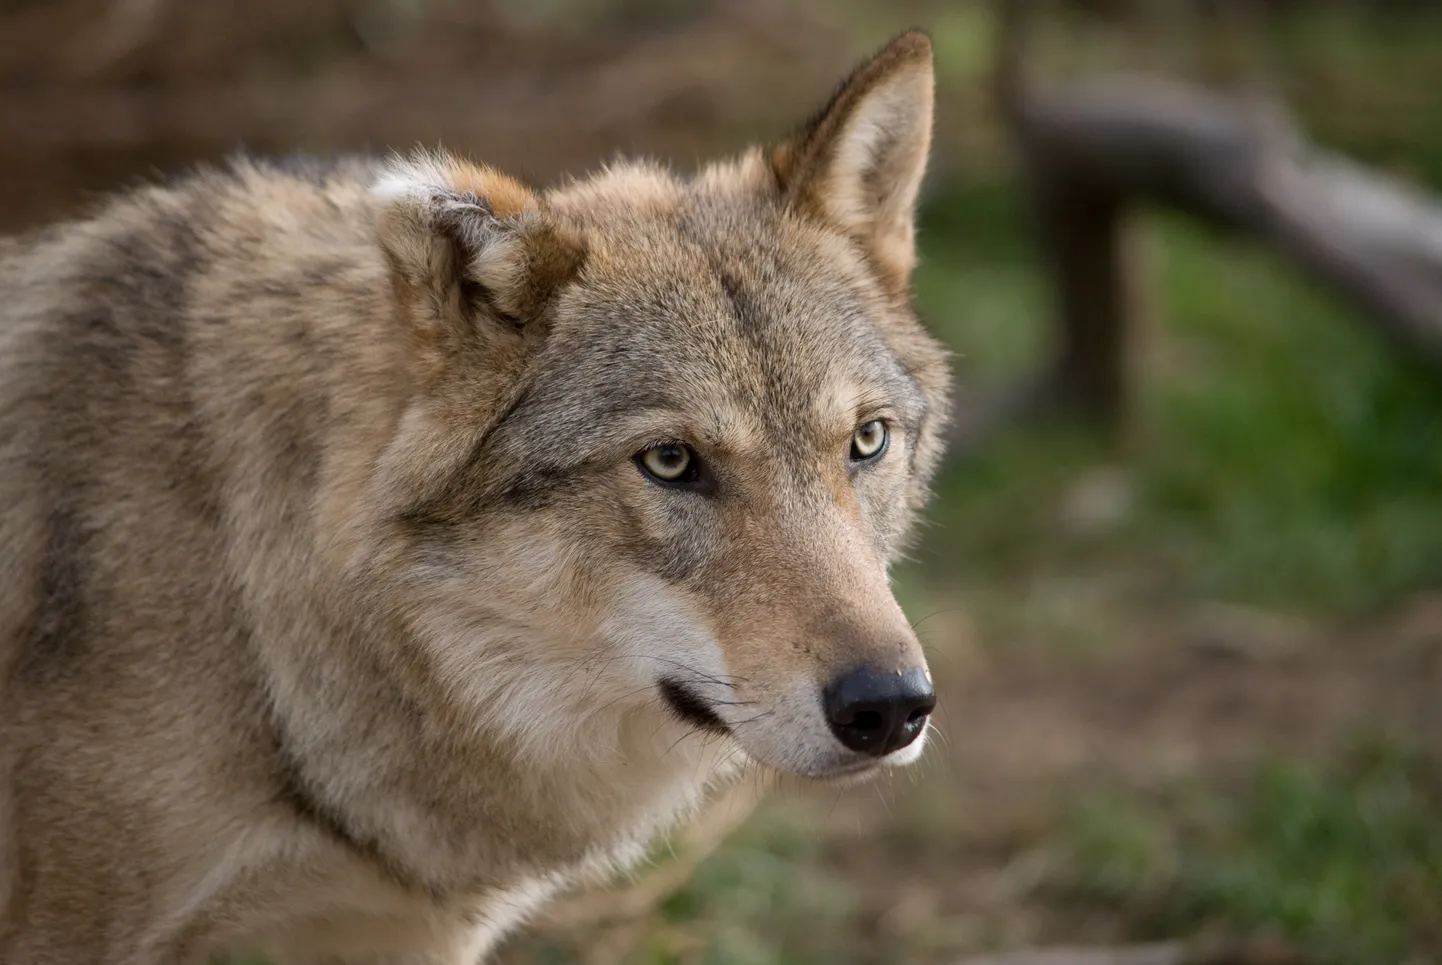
{"type": "Point", "coordinates": [669, 462]}
{"type": "Point", "coordinates": [869, 441]}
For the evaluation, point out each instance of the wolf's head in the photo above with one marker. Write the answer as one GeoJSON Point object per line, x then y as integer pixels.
{"type": "Point", "coordinates": [667, 433]}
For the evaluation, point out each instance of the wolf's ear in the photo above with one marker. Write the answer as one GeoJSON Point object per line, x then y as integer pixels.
{"type": "Point", "coordinates": [473, 257]}
{"type": "Point", "coordinates": [858, 164]}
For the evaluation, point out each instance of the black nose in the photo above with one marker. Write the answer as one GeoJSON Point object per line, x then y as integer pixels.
{"type": "Point", "coordinates": [877, 713]}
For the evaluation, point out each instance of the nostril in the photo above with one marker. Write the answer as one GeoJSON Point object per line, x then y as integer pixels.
{"type": "Point", "coordinates": [868, 720]}
{"type": "Point", "coordinates": [918, 715]}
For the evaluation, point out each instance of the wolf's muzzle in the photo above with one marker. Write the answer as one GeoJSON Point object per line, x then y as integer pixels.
{"type": "Point", "coordinates": [877, 713]}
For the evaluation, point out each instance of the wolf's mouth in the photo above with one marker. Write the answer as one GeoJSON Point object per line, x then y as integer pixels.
{"type": "Point", "coordinates": [685, 704]}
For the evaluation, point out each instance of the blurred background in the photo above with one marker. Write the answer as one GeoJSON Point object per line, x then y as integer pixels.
{"type": "Point", "coordinates": [1182, 591]}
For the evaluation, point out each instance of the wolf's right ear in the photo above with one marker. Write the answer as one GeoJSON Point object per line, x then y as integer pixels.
{"type": "Point", "coordinates": [474, 259]}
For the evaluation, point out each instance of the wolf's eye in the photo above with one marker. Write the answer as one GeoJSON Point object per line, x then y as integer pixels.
{"type": "Point", "coordinates": [869, 441]}
{"type": "Point", "coordinates": [670, 462]}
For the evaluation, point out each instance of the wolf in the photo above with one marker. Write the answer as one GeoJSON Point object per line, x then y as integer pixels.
{"type": "Point", "coordinates": [386, 544]}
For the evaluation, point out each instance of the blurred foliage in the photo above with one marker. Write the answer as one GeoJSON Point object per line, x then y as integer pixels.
{"type": "Point", "coordinates": [1281, 454]}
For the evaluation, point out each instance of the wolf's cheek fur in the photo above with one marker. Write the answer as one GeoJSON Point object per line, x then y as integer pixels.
{"type": "Point", "coordinates": [556, 626]}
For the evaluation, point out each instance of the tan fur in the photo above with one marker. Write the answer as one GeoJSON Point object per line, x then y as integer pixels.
{"type": "Point", "coordinates": [335, 612]}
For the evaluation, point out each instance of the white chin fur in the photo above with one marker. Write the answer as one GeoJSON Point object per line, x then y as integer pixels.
{"type": "Point", "coordinates": [850, 769]}
{"type": "Point", "coordinates": [909, 754]}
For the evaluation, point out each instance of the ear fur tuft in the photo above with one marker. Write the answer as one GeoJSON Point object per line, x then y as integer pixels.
{"type": "Point", "coordinates": [471, 241]}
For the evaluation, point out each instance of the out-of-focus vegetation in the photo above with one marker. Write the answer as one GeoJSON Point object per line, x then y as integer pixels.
{"type": "Point", "coordinates": [1345, 857]}
{"type": "Point", "coordinates": [1281, 455]}
{"type": "Point", "coordinates": [1155, 655]}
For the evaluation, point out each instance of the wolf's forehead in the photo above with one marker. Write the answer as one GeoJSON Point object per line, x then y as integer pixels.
{"type": "Point", "coordinates": [738, 313]}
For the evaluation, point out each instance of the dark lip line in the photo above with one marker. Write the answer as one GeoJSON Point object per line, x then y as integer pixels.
{"type": "Point", "coordinates": [690, 708]}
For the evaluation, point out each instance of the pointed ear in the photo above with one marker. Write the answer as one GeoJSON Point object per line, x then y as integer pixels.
{"type": "Point", "coordinates": [858, 164]}
{"type": "Point", "coordinates": [473, 257]}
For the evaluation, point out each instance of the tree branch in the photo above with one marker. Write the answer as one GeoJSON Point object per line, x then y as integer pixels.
{"type": "Point", "coordinates": [1092, 151]}
{"type": "Point", "coordinates": [1374, 240]}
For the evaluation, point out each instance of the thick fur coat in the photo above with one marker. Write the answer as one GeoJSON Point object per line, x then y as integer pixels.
{"type": "Point", "coordinates": [348, 604]}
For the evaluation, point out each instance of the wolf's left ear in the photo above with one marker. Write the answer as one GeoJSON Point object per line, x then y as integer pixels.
{"type": "Point", "coordinates": [858, 164]}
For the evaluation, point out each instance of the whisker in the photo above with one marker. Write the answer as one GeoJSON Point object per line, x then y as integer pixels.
{"type": "Point", "coordinates": [626, 696]}
{"type": "Point", "coordinates": [698, 674]}
{"type": "Point", "coordinates": [937, 613]}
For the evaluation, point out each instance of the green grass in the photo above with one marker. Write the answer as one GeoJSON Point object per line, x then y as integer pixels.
{"type": "Point", "coordinates": [1343, 861]}
{"type": "Point", "coordinates": [1298, 458]}
{"type": "Point", "coordinates": [1281, 452]}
